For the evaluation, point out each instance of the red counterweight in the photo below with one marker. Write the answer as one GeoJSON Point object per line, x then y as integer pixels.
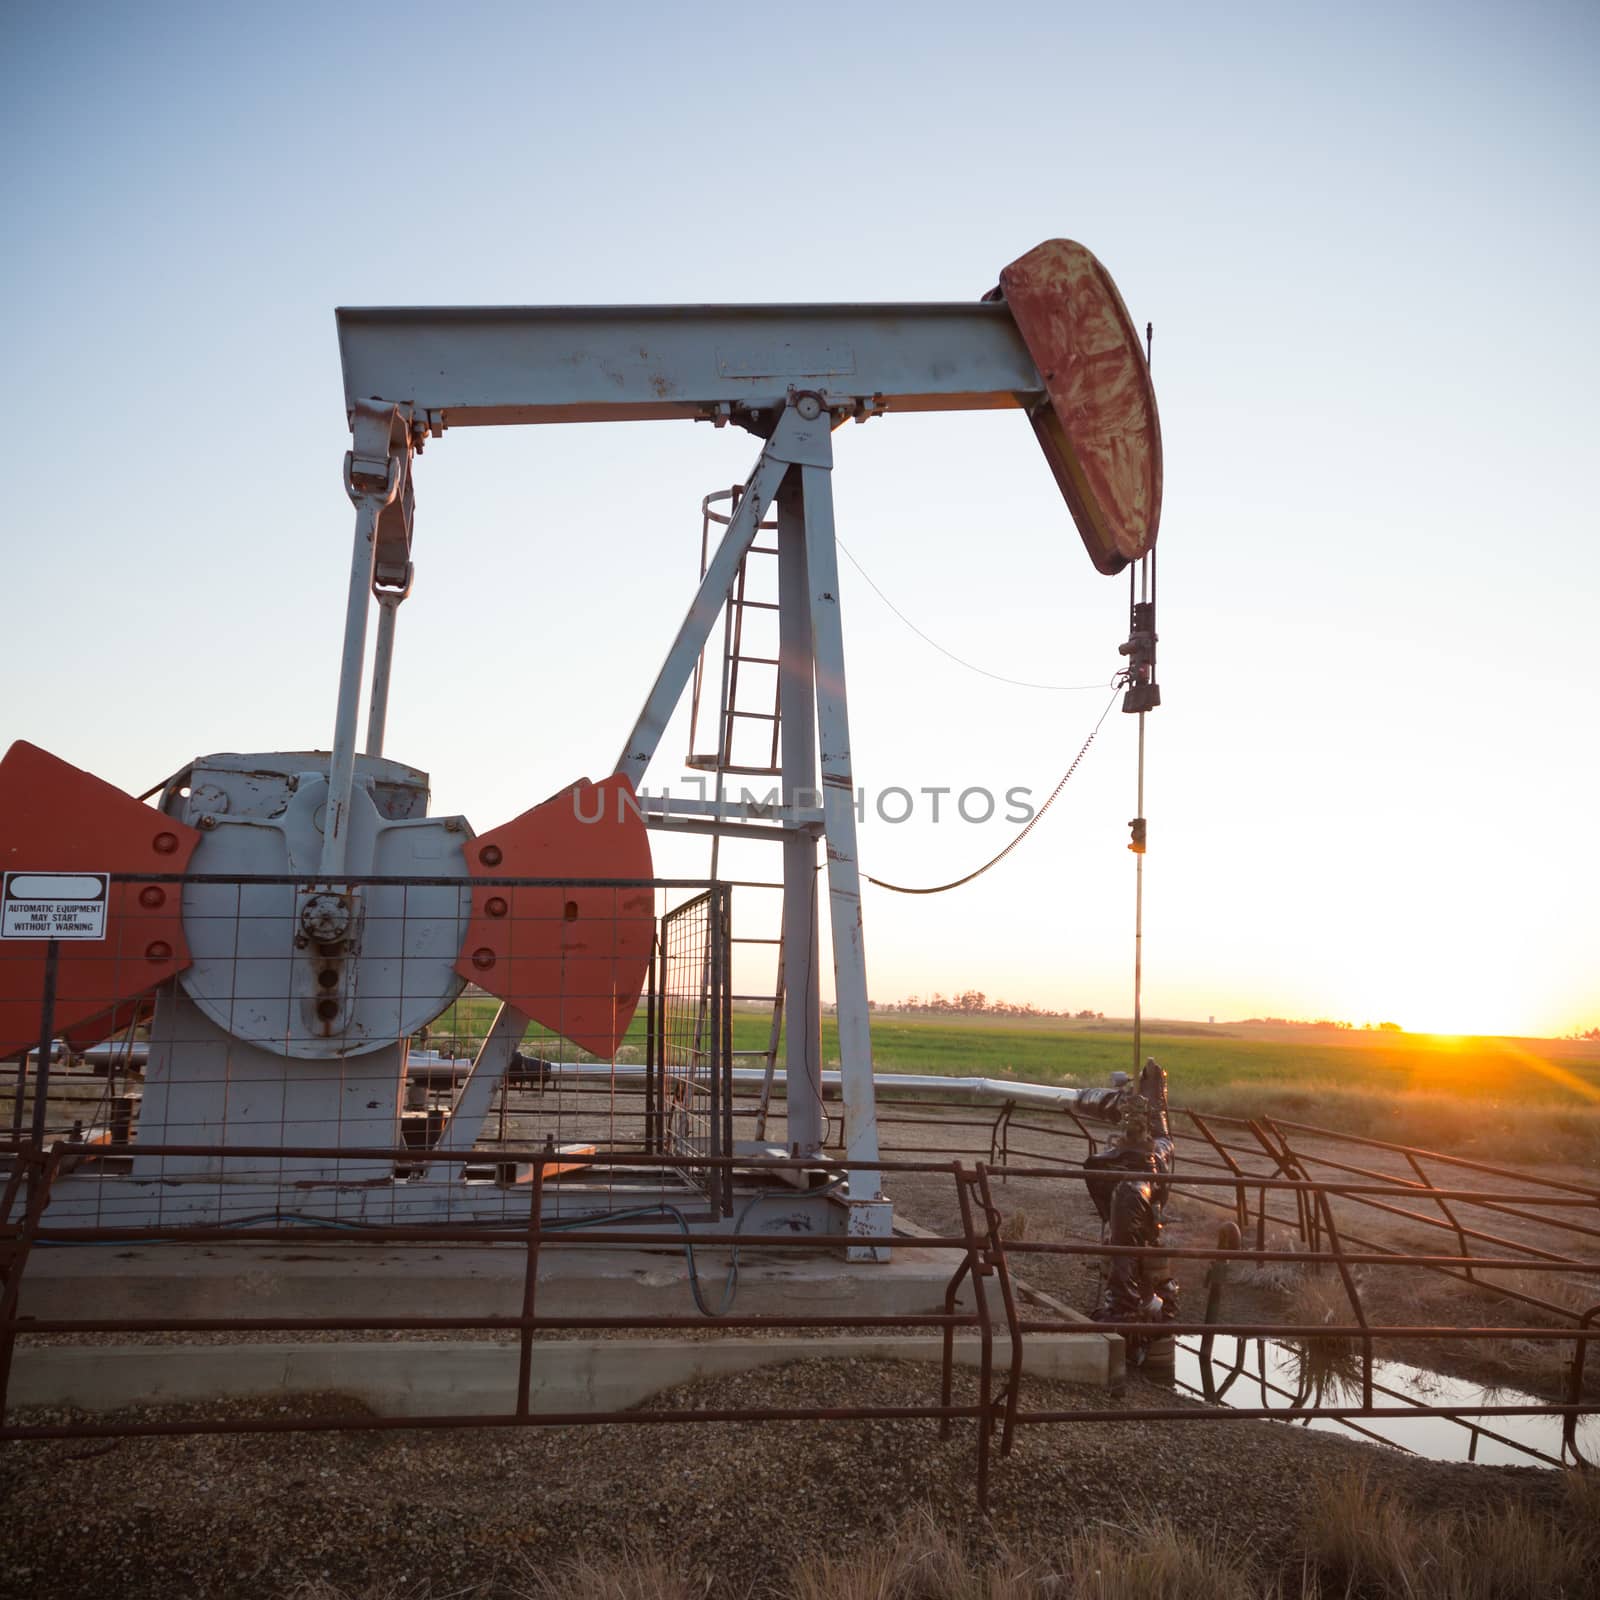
{"type": "Point", "coordinates": [1099, 429]}
{"type": "Point", "coordinates": [573, 958]}
{"type": "Point", "coordinates": [57, 819]}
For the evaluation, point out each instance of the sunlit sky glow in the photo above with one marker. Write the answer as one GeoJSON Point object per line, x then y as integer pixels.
{"type": "Point", "coordinates": [1366, 236]}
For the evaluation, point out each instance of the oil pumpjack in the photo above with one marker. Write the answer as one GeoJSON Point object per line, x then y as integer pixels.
{"type": "Point", "coordinates": [286, 923]}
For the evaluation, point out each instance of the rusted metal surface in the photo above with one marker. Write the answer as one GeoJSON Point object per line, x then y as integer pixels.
{"type": "Point", "coordinates": [1569, 1435]}
{"type": "Point", "coordinates": [1099, 431]}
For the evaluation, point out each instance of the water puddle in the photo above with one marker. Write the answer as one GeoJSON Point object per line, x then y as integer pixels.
{"type": "Point", "coordinates": [1286, 1377]}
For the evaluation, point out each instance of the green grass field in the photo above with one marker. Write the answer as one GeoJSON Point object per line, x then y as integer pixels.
{"type": "Point", "coordinates": [1541, 1096]}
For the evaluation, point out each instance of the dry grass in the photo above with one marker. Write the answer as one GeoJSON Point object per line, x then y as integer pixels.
{"type": "Point", "coordinates": [1281, 1277]}
{"type": "Point", "coordinates": [1320, 1296]}
{"type": "Point", "coordinates": [1571, 1290]}
{"type": "Point", "coordinates": [1150, 1559]}
{"type": "Point", "coordinates": [1361, 1541]}
{"type": "Point", "coordinates": [1313, 1290]}
{"type": "Point", "coordinates": [1454, 1299]}
{"type": "Point", "coordinates": [640, 1574]}
{"type": "Point", "coordinates": [1156, 1560]}
{"type": "Point", "coordinates": [921, 1562]}
{"type": "Point", "coordinates": [1015, 1227]}
{"type": "Point", "coordinates": [1463, 1124]}
{"type": "Point", "coordinates": [1328, 1371]}
{"type": "Point", "coordinates": [1358, 1542]}
{"type": "Point", "coordinates": [424, 1589]}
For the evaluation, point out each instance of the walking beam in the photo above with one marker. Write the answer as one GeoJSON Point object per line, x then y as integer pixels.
{"type": "Point", "coordinates": [475, 366]}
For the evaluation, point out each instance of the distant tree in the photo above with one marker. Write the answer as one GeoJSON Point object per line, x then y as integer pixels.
{"type": "Point", "coordinates": [972, 1002]}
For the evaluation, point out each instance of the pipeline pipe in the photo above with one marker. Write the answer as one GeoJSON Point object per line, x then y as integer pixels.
{"type": "Point", "coordinates": [992, 1091]}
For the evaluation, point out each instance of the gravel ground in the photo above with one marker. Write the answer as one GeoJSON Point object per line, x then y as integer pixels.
{"type": "Point", "coordinates": [207, 1517]}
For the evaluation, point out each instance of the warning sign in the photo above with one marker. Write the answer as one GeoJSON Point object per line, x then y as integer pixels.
{"type": "Point", "coordinates": [54, 905]}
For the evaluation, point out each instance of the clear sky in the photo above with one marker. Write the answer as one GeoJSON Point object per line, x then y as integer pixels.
{"type": "Point", "coordinates": [1366, 235]}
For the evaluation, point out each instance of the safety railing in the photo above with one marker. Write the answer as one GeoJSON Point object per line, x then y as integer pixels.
{"type": "Point", "coordinates": [1331, 1249]}
{"type": "Point", "coordinates": [980, 1251]}
{"type": "Point", "coordinates": [1288, 1149]}
{"type": "Point", "coordinates": [975, 1251]}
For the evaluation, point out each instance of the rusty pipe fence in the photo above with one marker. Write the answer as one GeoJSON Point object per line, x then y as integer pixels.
{"type": "Point", "coordinates": [1332, 1249]}
{"type": "Point", "coordinates": [980, 1253]}
{"type": "Point", "coordinates": [1267, 1151]}
{"type": "Point", "coordinates": [975, 1249]}
{"type": "Point", "coordinates": [1286, 1149]}
{"type": "Point", "coordinates": [1235, 1160]}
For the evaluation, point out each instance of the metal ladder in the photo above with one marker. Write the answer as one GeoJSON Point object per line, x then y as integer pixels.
{"type": "Point", "coordinates": [720, 761]}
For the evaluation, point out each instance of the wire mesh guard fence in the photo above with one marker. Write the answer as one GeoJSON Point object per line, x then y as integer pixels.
{"type": "Point", "coordinates": [691, 1049]}
{"type": "Point", "coordinates": [274, 1037]}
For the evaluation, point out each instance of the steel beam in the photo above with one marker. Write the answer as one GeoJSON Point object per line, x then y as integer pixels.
{"type": "Point", "coordinates": [369, 506]}
{"type": "Point", "coordinates": [797, 727]}
{"type": "Point", "coordinates": [844, 876]}
{"type": "Point", "coordinates": [471, 1109]}
{"type": "Point", "coordinates": [474, 366]}
{"type": "Point", "coordinates": [382, 662]}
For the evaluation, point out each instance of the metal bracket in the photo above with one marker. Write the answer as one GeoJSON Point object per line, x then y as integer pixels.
{"type": "Point", "coordinates": [1144, 693]}
{"type": "Point", "coordinates": [378, 466]}
{"type": "Point", "coordinates": [803, 437]}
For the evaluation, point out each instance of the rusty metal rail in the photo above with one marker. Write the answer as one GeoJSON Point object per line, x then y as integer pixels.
{"type": "Point", "coordinates": [1270, 1140]}
{"type": "Point", "coordinates": [974, 1248]}
{"type": "Point", "coordinates": [1281, 1149]}
{"type": "Point", "coordinates": [983, 1261]}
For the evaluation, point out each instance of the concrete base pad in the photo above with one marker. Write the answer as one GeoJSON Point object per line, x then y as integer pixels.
{"type": "Point", "coordinates": [471, 1378]}
{"type": "Point", "coordinates": [247, 1280]}
{"type": "Point", "coordinates": [465, 1376]}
